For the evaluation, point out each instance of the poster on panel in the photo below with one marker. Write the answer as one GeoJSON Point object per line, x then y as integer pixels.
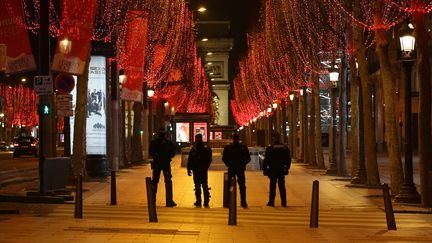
{"type": "Point", "coordinates": [96, 108]}
{"type": "Point", "coordinates": [182, 132]}
{"type": "Point", "coordinates": [201, 128]}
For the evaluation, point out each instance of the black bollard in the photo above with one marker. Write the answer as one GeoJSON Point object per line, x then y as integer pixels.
{"type": "Point", "coordinates": [226, 190]}
{"type": "Point", "coordinates": [391, 223]}
{"type": "Point", "coordinates": [151, 202]}
{"type": "Point", "coordinates": [113, 188]}
{"type": "Point", "coordinates": [232, 216]}
{"type": "Point", "coordinates": [78, 198]}
{"type": "Point", "coordinates": [168, 193]}
{"type": "Point", "coordinates": [314, 205]}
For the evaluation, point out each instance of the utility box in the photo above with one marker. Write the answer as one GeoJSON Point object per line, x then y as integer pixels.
{"type": "Point", "coordinates": [56, 171]}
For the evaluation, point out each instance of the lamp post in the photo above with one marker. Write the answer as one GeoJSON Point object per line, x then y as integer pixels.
{"type": "Point", "coordinates": [304, 122]}
{"type": "Point", "coordinates": [292, 125]}
{"type": "Point", "coordinates": [334, 78]}
{"type": "Point", "coordinates": [408, 192]}
{"type": "Point", "coordinates": [150, 94]}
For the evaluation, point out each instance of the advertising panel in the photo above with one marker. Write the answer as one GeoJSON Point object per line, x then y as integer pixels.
{"type": "Point", "coordinates": [182, 132]}
{"type": "Point", "coordinates": [76, 30]}
{"type": "Point", "coordinates": [200, 128]}
{"type": "Point", "coordinates": [96, 108]}
{"type": "Point", "coordinates": [218, 135]}
{"type": "Point", "coordinates": [134, 58]}
{"type": "Point", "coordinates": [15, 52]}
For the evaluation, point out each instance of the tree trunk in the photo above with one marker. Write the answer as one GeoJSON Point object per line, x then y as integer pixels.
{"type": "Point", "coordinates": [136, 136]}
{"type": "Point", "coordinates": [284, 121]}
{"type": "Point", "coordinates": [354, 98]}
{"type": "Point", "coordinates": [318, 133]}
{"type": "Point", "coordinates": [311, 134]}
{"type": "Point", "coordinates": [366, 88]}
{"type": "Point", "coordinates": [129, 131]}
{"type": "Point", "coordinates": [342, 118]}
{"type": "Point", "coordinates": [424, 122]}
{"type": "Point", "coordinates": [392, 140]}
{"type": "Point", "coordinates": [79, 141]}
{"type": "Point", "coordinates": [122, 118]}
{"type": "Point", "coordinates": [293, 131]}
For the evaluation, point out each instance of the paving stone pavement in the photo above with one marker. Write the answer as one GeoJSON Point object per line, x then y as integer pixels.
{"type": "Point", "coordinates": [346, 214]}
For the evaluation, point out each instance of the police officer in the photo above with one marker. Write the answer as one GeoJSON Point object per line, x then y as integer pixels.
{"type": "Point", "coordinates": [200, 158]}
{"type": "Point", "coordinates": [236, 156]}
{"type": "Point", "coordinates": [276, 165]}
{"type": "Point", "coordinates": [162, 150]}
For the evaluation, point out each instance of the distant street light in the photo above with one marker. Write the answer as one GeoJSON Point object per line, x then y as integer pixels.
{"type": "Point", "coordinates": [150, 93]}
{"type": "Point", "coordinates": [122, 78]}
{"type": "Point", "coordinates": [334, 76]}
{"type": "Point", "coordinates": [202, 9]}
{"type": "Point", "coordinates": [65, 46]}
{"type": "Point", "coordinates": [291, 96]}
{"type": "Point", "coordinates": [275, 105]}
{"type": "Point", "coordinates": [204, 39]}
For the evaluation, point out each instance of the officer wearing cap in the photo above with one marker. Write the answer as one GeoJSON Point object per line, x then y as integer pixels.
{"type": "Point", "coordinates": [276, 165]}
{"type": "Point", "coordinates": [199, 160]}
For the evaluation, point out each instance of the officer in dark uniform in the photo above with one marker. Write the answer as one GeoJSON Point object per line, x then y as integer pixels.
{"type": "Point", "coordinates": [236, 156]}
{"type": "Point", "coordinates": [276, 165]}
{"type": "Point", "coordinates": [162, 150]}
{"type": "Point", "coordinates": [200, 158]}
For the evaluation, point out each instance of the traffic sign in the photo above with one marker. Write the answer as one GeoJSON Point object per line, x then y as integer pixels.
{"type": "Point", "coordinates": [65, 83]}
{"type": "Point", "coordinates": [43, 85]}
{"type": "Point", "coordinates": [64, 105]}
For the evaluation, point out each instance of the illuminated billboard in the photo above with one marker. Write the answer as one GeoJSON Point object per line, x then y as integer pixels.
{"type": "Point", "coordinates": [96, 108]}
{"type": "Point", "coordinates": [182, 132]}
{"type": "Point", "coordinates": [200, 128]}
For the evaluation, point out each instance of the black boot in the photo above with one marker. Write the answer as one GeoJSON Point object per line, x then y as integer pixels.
{"type": "Point", "coordinates": [197, 196]}
{"type": "Point", "coordinates": [169, 195]}
{"type": "Point", "coordinates": [243, 202]}
{"type": "Point", "coordinates": [206, 191]}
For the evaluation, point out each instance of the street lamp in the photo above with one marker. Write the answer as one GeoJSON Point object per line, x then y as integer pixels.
{"type": "Point", "coordinates": [122, 79]}
{"type": "Point", "coordinates": [407, 43]}
{"type": "Point", "coordinates": [150, 94]}
{"type": "Point", "coordinates": [334, 79]}
{"type": "Point", "coordinates": [408, 192]}
{"type": "Point", "coordinates": [202, 9]}
{"type": "Point", "coordinates": [291, 96]}
{"type": "Point", "coordinates": [275, 105]}
{"type": "Point", "coordinates": [65, 46]}
{"type": "Point", "coordinates": [292, 125]}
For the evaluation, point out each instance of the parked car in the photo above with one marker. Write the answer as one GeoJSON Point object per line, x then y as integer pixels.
{"type": "Point", "coordinates": [26, 146]}
{"type": "Point", "coordinates": [4, 146]}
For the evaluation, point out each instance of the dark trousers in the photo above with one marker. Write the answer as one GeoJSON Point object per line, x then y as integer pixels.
{"type": "Point", "coordinates": [200, 178]}
{"type": "Point", "coordinates": [168, 182]}
{"type": "Point", "coordinates": [280, 179]}
{"type": "Point", "coordinates": [241, 180]}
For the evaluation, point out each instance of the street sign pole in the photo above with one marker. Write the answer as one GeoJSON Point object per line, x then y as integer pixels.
{"type": "Point", "coordinates": [44, 69]}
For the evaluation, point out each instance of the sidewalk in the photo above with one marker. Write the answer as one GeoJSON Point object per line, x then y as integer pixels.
{"type": "Point", "coordinates": [346, 214]}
